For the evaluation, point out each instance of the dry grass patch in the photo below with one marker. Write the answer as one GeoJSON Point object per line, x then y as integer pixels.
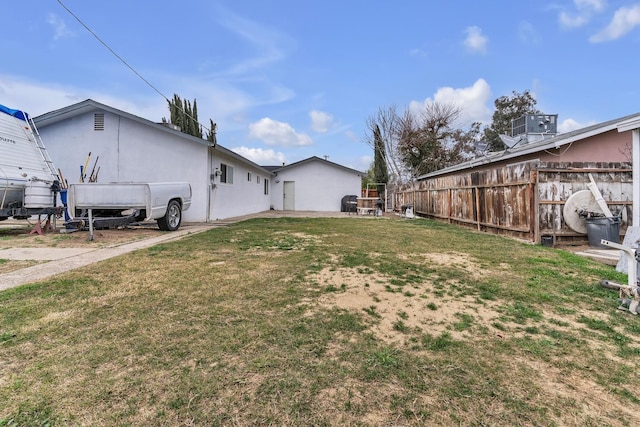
{"type": "Point", "coordinates": [278, 322]}
{"type": "Point", "coordinates": [395, 313]}
{"type": "Point", "coordinates": [7, 266]}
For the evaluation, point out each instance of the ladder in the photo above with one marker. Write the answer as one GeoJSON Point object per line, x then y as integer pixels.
{"type": "Point", "coordinates": [42, 149]}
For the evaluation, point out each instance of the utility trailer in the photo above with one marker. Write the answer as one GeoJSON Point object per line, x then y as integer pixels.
{"type": "Point", "coordinates": [28, 180]}
{"type": "Point", "coordinates": [121, 203]}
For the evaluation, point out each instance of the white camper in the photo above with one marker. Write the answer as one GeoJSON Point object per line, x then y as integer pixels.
{"type": "Point", "coordinates": [28, 180]}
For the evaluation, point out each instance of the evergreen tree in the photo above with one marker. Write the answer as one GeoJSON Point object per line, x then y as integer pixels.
{"type": "Point", "coordinates": [183, 115]}
{"type": "Point", "coordinates": [380, 172]}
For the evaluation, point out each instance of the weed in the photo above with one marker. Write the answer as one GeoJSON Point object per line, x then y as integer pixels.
{"type": "Point", "coordinates": [371, 311]}
{"type": "Point", "coordinates": [387, 357]}
{"type": "Point", "coordinates": [440, 343]}
{"type": "Point", "coordinates": [466, 321]}
{"type": "Point", "coordinates": [400, 326]}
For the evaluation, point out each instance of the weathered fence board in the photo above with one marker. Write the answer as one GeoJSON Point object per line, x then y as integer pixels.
{"type": "Point", "coordinates": [524, 200]}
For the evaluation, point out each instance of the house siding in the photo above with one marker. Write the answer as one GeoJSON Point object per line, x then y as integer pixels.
{"type": "Point", "coordinates": [240, 197]}
{"type": "Point", "coordinates": [612, 146]}
{"type": "Point", "coordinates": [319, 186]}
{"type": "Point", "coordinates": [131, 151]}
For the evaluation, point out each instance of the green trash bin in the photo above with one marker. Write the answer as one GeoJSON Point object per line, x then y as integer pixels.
{"type": "Point", "coordinates": [607, 228]}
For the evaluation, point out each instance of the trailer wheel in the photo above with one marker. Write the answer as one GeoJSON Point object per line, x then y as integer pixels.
{"type": "Point", "coordinates": [172, 218]}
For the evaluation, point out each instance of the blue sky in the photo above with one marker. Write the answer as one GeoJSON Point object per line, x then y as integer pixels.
{"type": "Point", "coordinates": [290, 79]}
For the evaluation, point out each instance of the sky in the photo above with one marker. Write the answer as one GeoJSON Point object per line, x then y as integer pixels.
{"type": "Point", "coordinates": [289, 79]}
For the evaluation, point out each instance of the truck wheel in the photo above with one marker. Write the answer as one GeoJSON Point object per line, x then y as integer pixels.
{"type": "Point", "coordinates": [171, 220]}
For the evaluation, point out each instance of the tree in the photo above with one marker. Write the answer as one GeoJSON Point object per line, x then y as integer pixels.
{"type": "Point", "coordinates": [369, 178]}
{"type": "Point", "coordinates": [183, 115]}
{"type": "Point", "coordinates": [507, 109]}
{"type": "Point", "coordinates": [380, 171]}
{"type": "Point", "coordinates": [385, 124]}
{"type": "Point", "coordinates": [431, 141]}
{"type": "Point", "coordinates": [211, 133]}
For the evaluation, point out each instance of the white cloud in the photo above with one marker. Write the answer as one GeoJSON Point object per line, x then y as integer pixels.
{"type": "Point", "coordinates": [260, 156]}
{"type": "Point", "coordinates": [569, 125]}
{"type": "Point", "coordinates": [572, 21]}
{"type": "Point", "coordinates": [352, 136]}
{"type": "Point", "coordinates": [60, 29]}
{"type": "Point", "coordinates": [37, 98]}
{"type": "Point", "coordinates": [270, 46]}
{"type": "Point", "coordinates": [365, 162]}
{"type": "Point", "coordinates": [418, 53]}
{"type": "Point", "coordinates": [527, 33]}
{"type": "Point", "coordinates": [321, 122]}
{"type": "Point", "coordinates": [596, 5]}
{"type": "Point", "coordinates": [585, 9]}
{"type": "Point", "coordinates": [471, 100]}
{"type": "Point", "coordinates": [276, 133]}
{"type": "Point", "coordinates": [624, 20]}
{"type": "Point", "coordinates": [475, 41]}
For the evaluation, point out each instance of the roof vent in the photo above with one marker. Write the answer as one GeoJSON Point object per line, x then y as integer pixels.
{"type": "Point", "coordinates": [98, 121]}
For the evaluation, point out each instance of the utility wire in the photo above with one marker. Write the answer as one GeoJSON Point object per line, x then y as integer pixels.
{"type": "Point", "coordinates": [126, 63]}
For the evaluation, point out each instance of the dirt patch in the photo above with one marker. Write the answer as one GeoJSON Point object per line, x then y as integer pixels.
{"type": "Point", "coordinates": [20, 237]}
{"type": "Point", "coordinates": [396, 312]}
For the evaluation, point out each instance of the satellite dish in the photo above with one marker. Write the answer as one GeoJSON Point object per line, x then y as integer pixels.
{"type": "Point", "coordinates": [584, 200]}
{"type": "Point", "coordinates": [511, 141]}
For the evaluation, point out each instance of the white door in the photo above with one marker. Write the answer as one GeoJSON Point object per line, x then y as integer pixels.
{"type": "Point", "coordinates": [289, 196]}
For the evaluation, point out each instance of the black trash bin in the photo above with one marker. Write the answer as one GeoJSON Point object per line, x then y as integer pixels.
{"type": "Point", "coordinates": [349, 203]}
{"type": "Point", "coordinates": [607, 228]}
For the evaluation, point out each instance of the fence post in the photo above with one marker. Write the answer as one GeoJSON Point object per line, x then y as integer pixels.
{"type": "Point", "coordinates": [477, 190]}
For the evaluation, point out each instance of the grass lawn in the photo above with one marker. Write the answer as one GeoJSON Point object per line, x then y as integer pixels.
{"type": "Point", "coordinates": [344, 321]}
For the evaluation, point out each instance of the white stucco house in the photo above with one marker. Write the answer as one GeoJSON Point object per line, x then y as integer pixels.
{"type": "Point", "coordinates": [313, 184]}
{"type": "Point", "coordinates": [128, 148]}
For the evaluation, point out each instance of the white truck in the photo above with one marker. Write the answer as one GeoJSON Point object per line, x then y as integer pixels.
{"type": "Point", "coordinates": [120, 203]}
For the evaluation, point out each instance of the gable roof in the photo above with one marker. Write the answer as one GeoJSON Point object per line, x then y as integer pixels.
{"type": "Point", "coordinates": [277, 169]}
{"type": "Point", "coordinates": [89, 106]}
{"type": "Point", "coordinates": [622, 124]}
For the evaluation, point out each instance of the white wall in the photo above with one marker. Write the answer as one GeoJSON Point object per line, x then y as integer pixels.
{"type": "Point", "coordinates": [242, 197]}
{"type": "Point", "coordinates": [319, 186]}
{"type": "Point", "coordinates": [129, 151]}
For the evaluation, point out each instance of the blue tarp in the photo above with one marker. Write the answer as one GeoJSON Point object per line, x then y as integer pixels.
{"type": "Point", "coordinates": [15, 113]}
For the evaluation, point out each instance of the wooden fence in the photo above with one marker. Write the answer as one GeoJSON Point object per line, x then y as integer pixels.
{"type": "Point", "coordinates": [523, 200]}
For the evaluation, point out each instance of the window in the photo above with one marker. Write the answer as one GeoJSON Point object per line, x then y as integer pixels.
{"type": "Point", "coordinates": [258, 179]}
{"type": "Point", "coordinates": [249, 176]}
{"type": "Point", "coordinates": [266, 187]}
{"type": "Point", "coordinates": [98, 121]}
{"type": "Point", "coordinates": [226, 173]}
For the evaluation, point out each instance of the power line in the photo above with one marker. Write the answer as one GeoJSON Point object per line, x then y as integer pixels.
{"type": "Point", "coordinates": [126, 63]}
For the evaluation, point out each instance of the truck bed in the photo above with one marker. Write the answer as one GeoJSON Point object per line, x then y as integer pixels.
{"type": "Point", "coordinates": [153, 197]}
